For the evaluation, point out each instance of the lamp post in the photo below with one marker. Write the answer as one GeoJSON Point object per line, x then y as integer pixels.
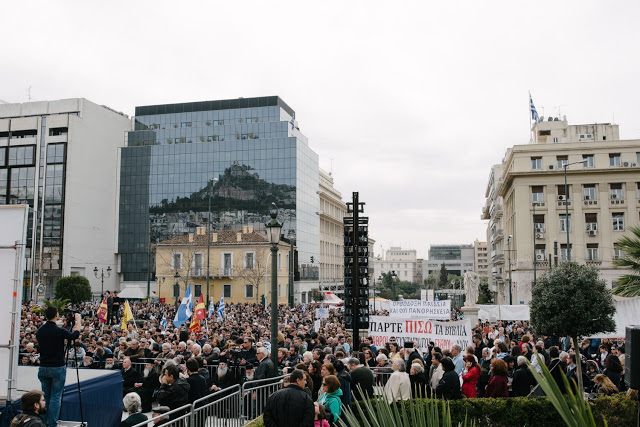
{"type": "Point", "coordinates": [159, 282]}
{"type": "Point", "coordinates": [509, 255]}
{"type": "Point", "coordinates": [394, 276]}
{"type": "Point", "coordinates": [566, 206]}
{"type": "Point", "coordinates": [292, 237]}
{"type": "Point", "coordinates": [210, 184]}
{"type": "Point", "coordinates": [274, 228]}
{"type": "Point", "coordinates": [176, 278]}
{"type": "Point", "coordinates": [102, 276]}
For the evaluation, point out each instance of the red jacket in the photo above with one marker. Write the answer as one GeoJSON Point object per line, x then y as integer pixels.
{"type": "Point", "coordinates": [469, 382]}
{"type": "Point", "coordinates": [497, 387]}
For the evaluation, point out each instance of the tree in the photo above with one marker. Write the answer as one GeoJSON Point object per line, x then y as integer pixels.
{"type": "Point", "coordinates": [76, 289]}
{"type": "Point", "coordinates": [571, 301]}
{"type": "Point", "coordinates": [316, 295]}
{"type": "Point", "coordinates": [431, 281]}
{"type": "Point", "coordinates": [629, 284]}
{"type": "Point", "coordinates": [485, 295]}
{"type": "Point", "coordinates": [253, 271]}
{"type": "Point", "coordinates": [443, 277]}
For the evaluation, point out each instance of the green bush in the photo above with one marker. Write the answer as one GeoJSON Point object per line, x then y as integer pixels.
{"type": "Point", "coordinates": [74, 288]}
{"type": "Point", "coordinates": [618, 410]}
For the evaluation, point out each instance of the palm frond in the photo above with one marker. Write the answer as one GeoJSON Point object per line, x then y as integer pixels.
{"type": "Point", "coordinates": [628, 286]}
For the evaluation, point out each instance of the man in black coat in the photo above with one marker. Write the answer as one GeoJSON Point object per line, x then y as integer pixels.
{"type": "Point", "coordinates": [557, 368]}
{"type": "Point", "coordinates": [248, 353]}
{"type": "Point", "coordinates": [360, 376]}
{"type": "Point", "coordinates": [522, 379]}
{"type": "Point", "coordinates": [150, 383]}
{"type": "Point", "coordinates": [197, 383]}
{"type": "Point", "coordinates": [291, 406]}
{"type": "Point", "coordinates": [265, 365]}
{"type": "Point", "coordinates": [477, 340]}
{"type": "Point", "coordinates": [223, 377]}
{"type": "Point", "coordinates": [174, 391]}
{"type": "Point", "coordinates": [130, 376]}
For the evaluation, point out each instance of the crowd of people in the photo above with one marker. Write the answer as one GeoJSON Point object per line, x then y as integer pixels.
{"type": "Point", "coordinates": [173, 366]}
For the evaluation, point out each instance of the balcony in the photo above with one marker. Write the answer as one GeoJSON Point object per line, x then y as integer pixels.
{"type": "Point", "coordinates": [590, 202]}
{"type": "Point", "coordinates": [496, 211]}
{"type": "Point", "coordinates": [537, 204]}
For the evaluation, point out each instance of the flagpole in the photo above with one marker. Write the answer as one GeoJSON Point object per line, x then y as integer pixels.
{"type": "Point", "coordinates": [530, 114]}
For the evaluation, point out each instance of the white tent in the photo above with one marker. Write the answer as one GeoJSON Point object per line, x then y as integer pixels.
{"type": "Point", "coordinates": [135, 292]}
{"type": "Point", "coordinates": [331, 298]}
{"type": "Point", "coordinates": [627, 314]}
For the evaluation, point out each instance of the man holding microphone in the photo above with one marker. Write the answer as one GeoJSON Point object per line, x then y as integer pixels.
{"type": "Point", "coordinates": [53, 372]}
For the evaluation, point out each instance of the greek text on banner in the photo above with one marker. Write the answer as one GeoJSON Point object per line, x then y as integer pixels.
{"type": "Point", "coordinates": [440, 310]}
{"type": "Point", "coordinates": [420, 331]}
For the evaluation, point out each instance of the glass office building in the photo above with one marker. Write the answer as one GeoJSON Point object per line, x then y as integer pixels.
{"type": "Point", "coordinates": [242, 154]}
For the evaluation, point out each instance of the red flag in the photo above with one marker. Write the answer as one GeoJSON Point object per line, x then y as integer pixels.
{"type": "Point", "coordinates": [102, 311]}
{"type": "Point", "coordinates": [195, 325]}
{"type": "Point", "coordinates": [201, 311]}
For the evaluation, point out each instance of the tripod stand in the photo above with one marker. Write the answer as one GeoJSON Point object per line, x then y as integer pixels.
{"type": "Point", "coordinates": [67, 351]}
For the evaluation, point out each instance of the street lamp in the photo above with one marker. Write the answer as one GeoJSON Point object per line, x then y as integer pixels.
{"type": "Point", "coordinates": [210, 185]}
{"type": "Point", "coordinates": [176, 278]}
{"type": "Point", "coordinates": [292, 237]}
{"type": "Point", "coordinates": [274, 228]}
{"type": "Point", "coordinates": [102, 276]}
{"type": "Point", "coordinates": [159, 282]}
{"type": "Point", "coordinates": [394, 276]}
{"type": "Point", "coordinates": [566, 205]}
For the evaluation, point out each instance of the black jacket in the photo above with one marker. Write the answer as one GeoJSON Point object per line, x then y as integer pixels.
{"type": "Point", "coordinates": [483, 379]}
{"type": "Point", "coordinates": [129, 378]}
{"type": "Point", "coordinates": [197, 387]}
{"type": "Point", "coordinates": [522, 381]}
{"type": "Point", "coordinates": [152, 381]}
{"type": "Point", "coordinates": [27, 419]}
{"type": "Point", "coordinates": [249, 355]}
{"type": "Point", "coordinates": [174, 395]}
{"type": "Point", "coordinates": [413, 356]}
{"type": "Point", "coordinates": [362, 377]}
{"type": "Point", "coordinates": [478, 351]}
{"type": "Point", "coordinates": [558, 370]}
{"type": "Point", "coordinates": [51, 341]}
{"type": "Point", "coordinates": [449, 386]}
{"type": "Point", "coordinates": [289, 407]}
{"type": "Point", "coordinates": [227, 381]}
{"type": "Point", "coordinates": [265, 369]}
{"type": "Point", "coordinates": [345, 385]}
{"type": "Point", "coordinates": [418, 385]}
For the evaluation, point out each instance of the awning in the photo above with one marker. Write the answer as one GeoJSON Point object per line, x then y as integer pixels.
{"type": "Point", "coordinates": [135, 292]}
{"type": "Point", "coordinates": [331, 298]}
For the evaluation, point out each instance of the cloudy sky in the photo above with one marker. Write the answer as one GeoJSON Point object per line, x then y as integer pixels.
{"type": "Point", "coordinates": [409, 103]}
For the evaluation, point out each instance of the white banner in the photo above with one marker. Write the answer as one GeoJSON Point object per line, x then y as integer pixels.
{"type": "Point", "coordinates": [322, 313]}
{"type": "Point", "coordinates": [316, 325]}
{"type": "Point", "coordinates": [443, 334]}
{"type": "Point", "coordinates": [504, 312]}
{"type": "Point", "coordinates": [440, 310]}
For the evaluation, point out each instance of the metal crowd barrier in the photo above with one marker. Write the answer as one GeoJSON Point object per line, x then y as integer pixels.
{"type": "Point", "coordinates": [230, 407]}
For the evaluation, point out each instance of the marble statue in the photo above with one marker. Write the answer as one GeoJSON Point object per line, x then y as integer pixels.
{"type": "Point", "coordinates": [471, 283]}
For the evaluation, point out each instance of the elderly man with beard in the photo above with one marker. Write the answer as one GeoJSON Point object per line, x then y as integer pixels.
{"type": "Point", "coordinates": [223, 377]}
{"type": "Point", "coordinates": [150, 383]}
{"type": "Point", "coordinates": [110, 363]}
{"type": "Point", "coordinates": [88, 362]}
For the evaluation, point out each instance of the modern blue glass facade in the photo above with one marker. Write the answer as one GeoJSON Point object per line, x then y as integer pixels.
{"type": "Point", "coordinates": [254, 149]}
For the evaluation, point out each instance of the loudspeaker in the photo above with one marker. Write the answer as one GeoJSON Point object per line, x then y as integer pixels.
{"type": "Point", "coordinates": [632, 357]}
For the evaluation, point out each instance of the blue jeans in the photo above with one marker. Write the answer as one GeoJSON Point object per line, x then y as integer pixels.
{"type": "Point", "coordinates": [52, 381]}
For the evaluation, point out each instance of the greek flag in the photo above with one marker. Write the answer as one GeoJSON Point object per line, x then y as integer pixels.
{"type": "Point", "coordinates": [292, 125]}
{"type": "Point", "coordinates": [221, 307]}
{"type": "Point", "coordinates": [267, 345]}
{"type": "Point", "coordinates": [304, 308]}
{"type": "Point", "coordinates": [184, 311]}
{"type": "Point", "coordinates": [534, 112]}
{"type": "Point", "coordinates": [163, 322]}
{"type": "Point", "coordinates": [211, 308]}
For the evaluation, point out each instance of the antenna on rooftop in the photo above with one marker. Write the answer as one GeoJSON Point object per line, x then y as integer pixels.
{"type": "Point", "coordinates": [331, 169]}
{"type": "Point", "coordinates": [29, 93]}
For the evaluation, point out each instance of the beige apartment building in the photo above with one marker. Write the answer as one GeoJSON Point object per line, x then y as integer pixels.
{"type": "Point", "coordinates": [527, 204]}
{"type": "Point", "coordinates": [239, 266]}
{"type": "Point", "coordinates": [481, 259]}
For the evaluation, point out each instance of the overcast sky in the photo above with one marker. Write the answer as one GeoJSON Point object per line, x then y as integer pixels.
{"type": "Point", "coordinates": [409, 103]}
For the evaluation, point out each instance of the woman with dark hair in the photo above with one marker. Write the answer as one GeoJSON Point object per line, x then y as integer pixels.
{"type": "Point", "coordinates": [470, 376]}
{"type": "Point", "coordinates": [449, 386]}
{"type": "Point", "coordinates": [497, 386]}
{"type": "Point", "coordinates": [369, 358]}
{"type": "Point", "coordinates": [613, 369]}
{"type": "Point", "coordinates": [314, 372]}
{"type": "Point", "coordinates": [331, 395]}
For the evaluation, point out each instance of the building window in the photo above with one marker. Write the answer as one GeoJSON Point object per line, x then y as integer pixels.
{"type": "Point", "coordinates": [249, 260]}
{"type": "Point", "coordinates": [176, 291]}
{"type": "Point", "coordinates": [537, 193]}
{"type": "Point", "coordinates": [618, 221]}
{"type": "Point", "coordinates": [561, 161]}
{"type": "Point", "coordinates": [248, 291]}
{"type": "Point", "coordinates": [638, 190]}
{"type": "Point", "coordinates": [589, 160]}
{"type": "Point", "coordinates": [536, 163]}
{"type": "Point", "coordinates": [614, 159]}
{"type": "Point", "coordinates": [563, 252]}
{"type": "Point", "coordinates": [538, 221]}
{"type": "Point", "coordinates": [227, 263]}
{"type": "Point", "coordinates": [177, 261]}
{"type": "Point", "coordinates": [555, 139]}
{"type": "Point", "coordinates": [564, 224]}
{"type": "Point", "coordinates": [197, 291]}
{"type": "Point", "coordinates": [226, 289]}
{"type": "Point", "coordinates": [279, 261]}
{"type": "Point", "coordinates": [185, 124]}
{"type": "Point", "coordinates": [561, 192]}
{"type": "Point", "coordinates": [617, 252]}
{"type": "Point", "coordinates": [58, 131]}
{"type": "Point", "coordinates": [22, 155]}
{"type": "Point", "coordinates": [55, 153]}
{"type": "Point", "coordinates": [197, 264]}
{"type": "Point", "coordinates": [591, 220]}
{"type": "Point", "coordinates": [218, 122]}
{"type": "Point", "coordinates": [540, 253]}
{"type": "Point", "coordinates": [592, 252]}
{"type": "Point", "coordinates": [589, 191]}
{"type": "Point", "coordinates": [244, 136]}
{"type": "Point", "coordinates": [615, 191]}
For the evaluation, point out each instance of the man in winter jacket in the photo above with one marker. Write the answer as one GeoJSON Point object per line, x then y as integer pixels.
{"type": "Point", "coordinates": [174, 391]}
{"type": "Point", "coordinates": [32, 404]}
{"type": "Point", "coordinates": [291, 406]}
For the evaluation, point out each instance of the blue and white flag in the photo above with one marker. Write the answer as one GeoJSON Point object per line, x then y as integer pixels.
{"type": "Point", "coordinates": [211, 309]}
{"type": "Point", "coordinates": [534, 112]}
{"type": "Point", "coordinates": [163, 322]}
{"type": "Point", "coordinates": [184, 311]}
{"type": "Point", "coordinates": [221, 307]}
{"type": "Point", "coordinates": [304, 308]}
{"type": "Point", "coordinates": [292, 124]}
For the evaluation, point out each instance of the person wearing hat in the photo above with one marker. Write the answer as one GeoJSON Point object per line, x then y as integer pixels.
{"type": "Point", "coordinates": [224, 377]}
{"type": "Point", "coordinates": [411, 353]}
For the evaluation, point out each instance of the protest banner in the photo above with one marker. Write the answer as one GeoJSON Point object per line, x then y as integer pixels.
{"type": "Point", "coordinates": [322, 313]}
{"type": "Point", "coordinates": [439, 310]}
{"type": "Point", "coordinates": [443, 334]}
